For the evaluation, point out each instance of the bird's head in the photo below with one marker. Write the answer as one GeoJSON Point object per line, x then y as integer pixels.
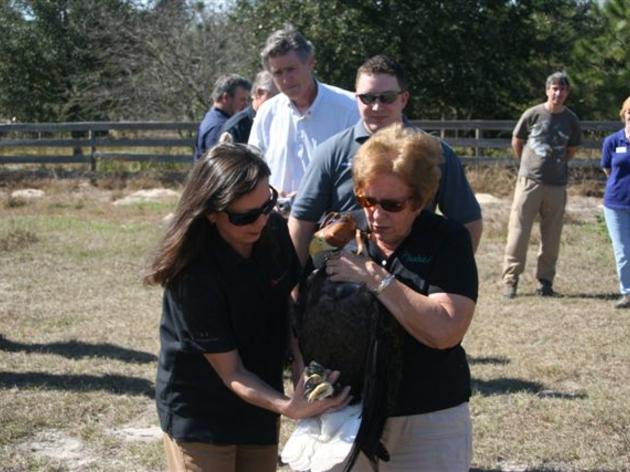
{"type": "Point", "coordinates": [336, 231]}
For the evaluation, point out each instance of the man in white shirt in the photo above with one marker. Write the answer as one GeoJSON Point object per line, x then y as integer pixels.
{"type": "Point", "coordinates": [288, 127]}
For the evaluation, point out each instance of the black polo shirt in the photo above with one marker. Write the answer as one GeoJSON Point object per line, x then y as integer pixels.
{"type": "Point", "coordinates": [437, 256]}
{"type": "Point", "coordinates": [224, 302]}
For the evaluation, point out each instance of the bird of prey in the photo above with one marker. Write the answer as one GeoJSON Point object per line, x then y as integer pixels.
{"type": "Point", "coordinates": [342, 326]}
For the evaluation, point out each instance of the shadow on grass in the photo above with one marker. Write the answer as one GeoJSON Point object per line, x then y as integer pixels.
{"type": "Point", "coordinates": [488, 360]}
{"type": "Point", "coordinates": [527, 469]}
{"type": "Point", "coordinates": [116, 384]}
{"type": "Point", "coordinates": [506, 386]}
{"type": "Point", "coordinates": [535, 469]}
{"type": "Point", "coordinates": [587, 296]}
{"type": "Point", "coordinates": [594, 296]}
{"type": "Point", "coordinates": [78, 349]}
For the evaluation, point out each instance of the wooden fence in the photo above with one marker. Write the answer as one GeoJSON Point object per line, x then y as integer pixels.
{"type": "Point", "coordinates": [87, 142]}
{"type": "Point", "coordinates": [477, 141]}
{"type": "Point", "coordinates": [490, 141]}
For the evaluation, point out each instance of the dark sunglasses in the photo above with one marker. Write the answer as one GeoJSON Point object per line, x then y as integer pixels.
{"type": "Point", "coordinates": [392, 206]}
{"type": "Point", "coordinates": [248, 217]}
{"type": "Point", "coordinates": [385, 97]}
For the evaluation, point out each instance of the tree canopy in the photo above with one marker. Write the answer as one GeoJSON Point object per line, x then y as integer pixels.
{"type": "Point", "coordinates": [65, 60]}
{"type": "Point", "coordinates": [601, 62]}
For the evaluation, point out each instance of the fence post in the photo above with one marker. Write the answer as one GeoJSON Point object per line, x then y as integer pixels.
{"type": "Point", "coordinates": [92, 149]}
{"type": "Point", "coordinates": [478, 134]}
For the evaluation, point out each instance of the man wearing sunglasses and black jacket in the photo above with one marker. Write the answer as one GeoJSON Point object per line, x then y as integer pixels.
{"type": "Point", "coordinates": [382, 95]}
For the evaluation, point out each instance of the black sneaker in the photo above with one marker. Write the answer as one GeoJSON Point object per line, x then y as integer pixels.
{"type": "Point", "coordinates": [623, 302]}
{"type": "Point", "coordinates": [545, 289]}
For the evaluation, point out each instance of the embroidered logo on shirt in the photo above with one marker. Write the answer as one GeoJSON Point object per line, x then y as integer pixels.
{"type": "Point", "coordinates": [621, 149]}
{"type": "Point", "coordinates": [417, 259]}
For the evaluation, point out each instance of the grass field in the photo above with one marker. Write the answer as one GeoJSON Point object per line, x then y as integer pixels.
{"type": "Point", "coordinates": [78, 340]}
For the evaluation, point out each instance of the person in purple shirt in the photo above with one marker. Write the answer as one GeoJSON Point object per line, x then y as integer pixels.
{"type": "Point", "coordinates": [230, 95]}
{"type": "Point", "coordinates": [616, 165]}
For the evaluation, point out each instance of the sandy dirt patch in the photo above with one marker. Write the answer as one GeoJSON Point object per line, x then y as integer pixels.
{"type": "Point", "coordinates": [151, 195]}
{"type": "Point", "coordinates": [58, 448]}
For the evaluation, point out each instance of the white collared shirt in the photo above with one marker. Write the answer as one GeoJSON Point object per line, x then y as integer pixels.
{"type": "Point", "coordinates": [287, 138]}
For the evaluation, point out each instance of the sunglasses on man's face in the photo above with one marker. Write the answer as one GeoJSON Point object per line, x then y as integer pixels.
{"type": "Point", "coordinates": [385, 97]}
{"type": "Point", "coordinates": [391, 206]}
{"type": "Point", "coordinates": [250, 216]}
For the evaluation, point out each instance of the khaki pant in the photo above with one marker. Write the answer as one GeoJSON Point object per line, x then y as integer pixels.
{"type": "Point", "coordinates": [440, 441]}
{"type": "Point", "coordinates": [201, 457]}
{"type": "Point", "coordinates": [531, 199]}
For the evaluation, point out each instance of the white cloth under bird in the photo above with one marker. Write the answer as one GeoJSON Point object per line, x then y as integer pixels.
{"type": "Point", "coordinates": [320, 443]}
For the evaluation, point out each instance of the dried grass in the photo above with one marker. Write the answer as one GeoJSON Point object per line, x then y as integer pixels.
{"type": "Point", "coordinates": [17, 239]}
{"type": "Point", "coordinates": [78, 341]}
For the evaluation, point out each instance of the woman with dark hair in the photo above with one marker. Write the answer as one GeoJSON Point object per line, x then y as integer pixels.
{"type": "Point", "coordinates": [227, 266]}
{"type": "Point", "coordinates": [616, 165]}
{"type": "Point", "coordinates": [421, 267]}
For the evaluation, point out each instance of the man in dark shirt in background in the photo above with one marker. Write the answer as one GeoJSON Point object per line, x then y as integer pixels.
{"type": "Point", "coordinates": [230, 95]}
{"type": "Point", "coordinates": [240, 124]}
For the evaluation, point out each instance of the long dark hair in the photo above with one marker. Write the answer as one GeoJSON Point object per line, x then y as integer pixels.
{"type": "Point", "coordinates": [225, 173]}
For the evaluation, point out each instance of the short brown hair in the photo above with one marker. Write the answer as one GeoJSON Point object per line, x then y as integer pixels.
{"type": "Point", "coordinates": [382, 64]}
{"type": "Point", "coordinates": [411, 154]}
{"type": "Point", "coordinates": [560, 78]}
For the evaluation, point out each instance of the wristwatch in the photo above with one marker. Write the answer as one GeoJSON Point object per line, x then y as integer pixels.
{"type": "Point", "coordinates": [386, 282]}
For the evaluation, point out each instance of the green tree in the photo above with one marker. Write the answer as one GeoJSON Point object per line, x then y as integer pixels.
{"type": "Point", "coordinates": [74, 60]}
{"type": "Point", "coordinates": [168, 58]}
{"type": "Point", "coordinates": [26, 87]}
{"type": "Point", "coordinates": [46, 49]}
{"type": "Point", "coordinates": [465, 59]}
{"type": "Point", "coordinates": [126, 59]}
{"type": "Point", "coordinates": [602, 62]}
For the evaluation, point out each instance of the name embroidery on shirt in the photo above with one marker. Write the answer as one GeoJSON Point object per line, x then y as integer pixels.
{"type": "Point", "coordinates": [418, 259]}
